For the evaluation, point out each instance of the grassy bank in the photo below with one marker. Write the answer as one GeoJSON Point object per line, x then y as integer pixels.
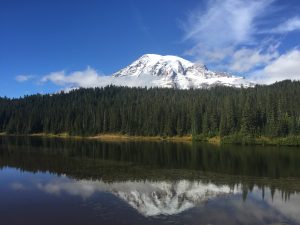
{"type": "Point", "coordinates": [109, 137]}
{"type": "Point", "coordinates": [250, 140]}
{"type": "Point", "coordinates": [237, 139]}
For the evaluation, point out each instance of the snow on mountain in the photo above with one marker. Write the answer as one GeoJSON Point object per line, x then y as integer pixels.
{"type": "Point", "coordinates": [169, 198]}
{"type": "Point", "coordinates": [149, 198]}
{"type": "Point", "coordinates": [153, 70]}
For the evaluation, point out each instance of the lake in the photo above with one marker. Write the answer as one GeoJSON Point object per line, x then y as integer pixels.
{"type": "Point", "coordinates": [60, 181]}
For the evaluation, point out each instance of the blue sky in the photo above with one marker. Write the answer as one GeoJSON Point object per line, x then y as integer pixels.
{"type": "Point", "coordinates": [49, 45]}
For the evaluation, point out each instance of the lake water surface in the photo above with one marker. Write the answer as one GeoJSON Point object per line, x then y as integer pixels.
{"type": "Point", "coordinates": [55, 181]}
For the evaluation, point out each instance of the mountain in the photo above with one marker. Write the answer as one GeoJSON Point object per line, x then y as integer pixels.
{"type": "Point", "coordinates": [152, 70]}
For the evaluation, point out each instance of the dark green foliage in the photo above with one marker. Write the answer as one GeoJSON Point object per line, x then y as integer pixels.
{"type": "Point", "coordinates": [272, 110]}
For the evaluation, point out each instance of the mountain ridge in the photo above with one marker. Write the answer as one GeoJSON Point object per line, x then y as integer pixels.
{"type": "Point", "coordinates": [153, 70]}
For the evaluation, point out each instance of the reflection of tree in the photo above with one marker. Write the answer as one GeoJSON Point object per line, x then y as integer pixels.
{"type": "Point", "coordinates": [232, 165]}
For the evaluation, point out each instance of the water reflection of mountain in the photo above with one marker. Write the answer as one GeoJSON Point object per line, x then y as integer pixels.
{"type": "Point", "coordinates": [180, 200]}
{"type": "Point", "coordinates": [149, 198]}
{"type": "Point", "coordinates": [273, 168]}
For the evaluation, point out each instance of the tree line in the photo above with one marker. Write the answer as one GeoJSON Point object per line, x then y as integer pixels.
{"type": "Point", "coordinates": [264, 110]}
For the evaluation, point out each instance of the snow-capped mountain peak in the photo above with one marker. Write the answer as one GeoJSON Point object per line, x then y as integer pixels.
{"type": "Point", "coordinates": [169, 71]}
{"type": "Point", "coordinates": [155, 65]}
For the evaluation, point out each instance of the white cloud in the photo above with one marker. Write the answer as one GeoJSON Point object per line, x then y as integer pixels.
{"type": "Point", "coordinates": [85, 78]}
{"type": "Point", "coordinates": [91, 78]}
{"type": "Point", "coordinates": [23, 78]}
{"type": "Point", "coordinates": [287, 66]}
{"type": "Point", "coordinates": [289, 25]}
{"type": "Point", "coordinates": [224, 25]}
{"type": "Point", "coordinates": [231, 35]}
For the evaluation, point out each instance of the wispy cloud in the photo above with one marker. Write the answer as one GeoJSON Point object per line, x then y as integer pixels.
{"type": "Point", "coordinates": [289, 25]}
{"type": "Point", "coordinates": [222, 26]}
{"type": "Point", "coordinates": [230, 34]}
{"type": "Point", "coordinates": [23, 78]}
{"type": "Point", "coordinates": [245, 58]}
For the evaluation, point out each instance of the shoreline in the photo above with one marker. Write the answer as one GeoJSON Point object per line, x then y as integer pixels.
{"type": "Point", "coordinates": [216, 140]}
{"type": "Point", "coordinates": [108, 137]}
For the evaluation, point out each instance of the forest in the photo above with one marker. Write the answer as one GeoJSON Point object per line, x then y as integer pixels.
{"type": "Point", "coordinates": [264, 110]}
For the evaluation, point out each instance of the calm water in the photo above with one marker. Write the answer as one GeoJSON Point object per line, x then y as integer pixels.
{"type": "Point", "coordinates": [49, 181]}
